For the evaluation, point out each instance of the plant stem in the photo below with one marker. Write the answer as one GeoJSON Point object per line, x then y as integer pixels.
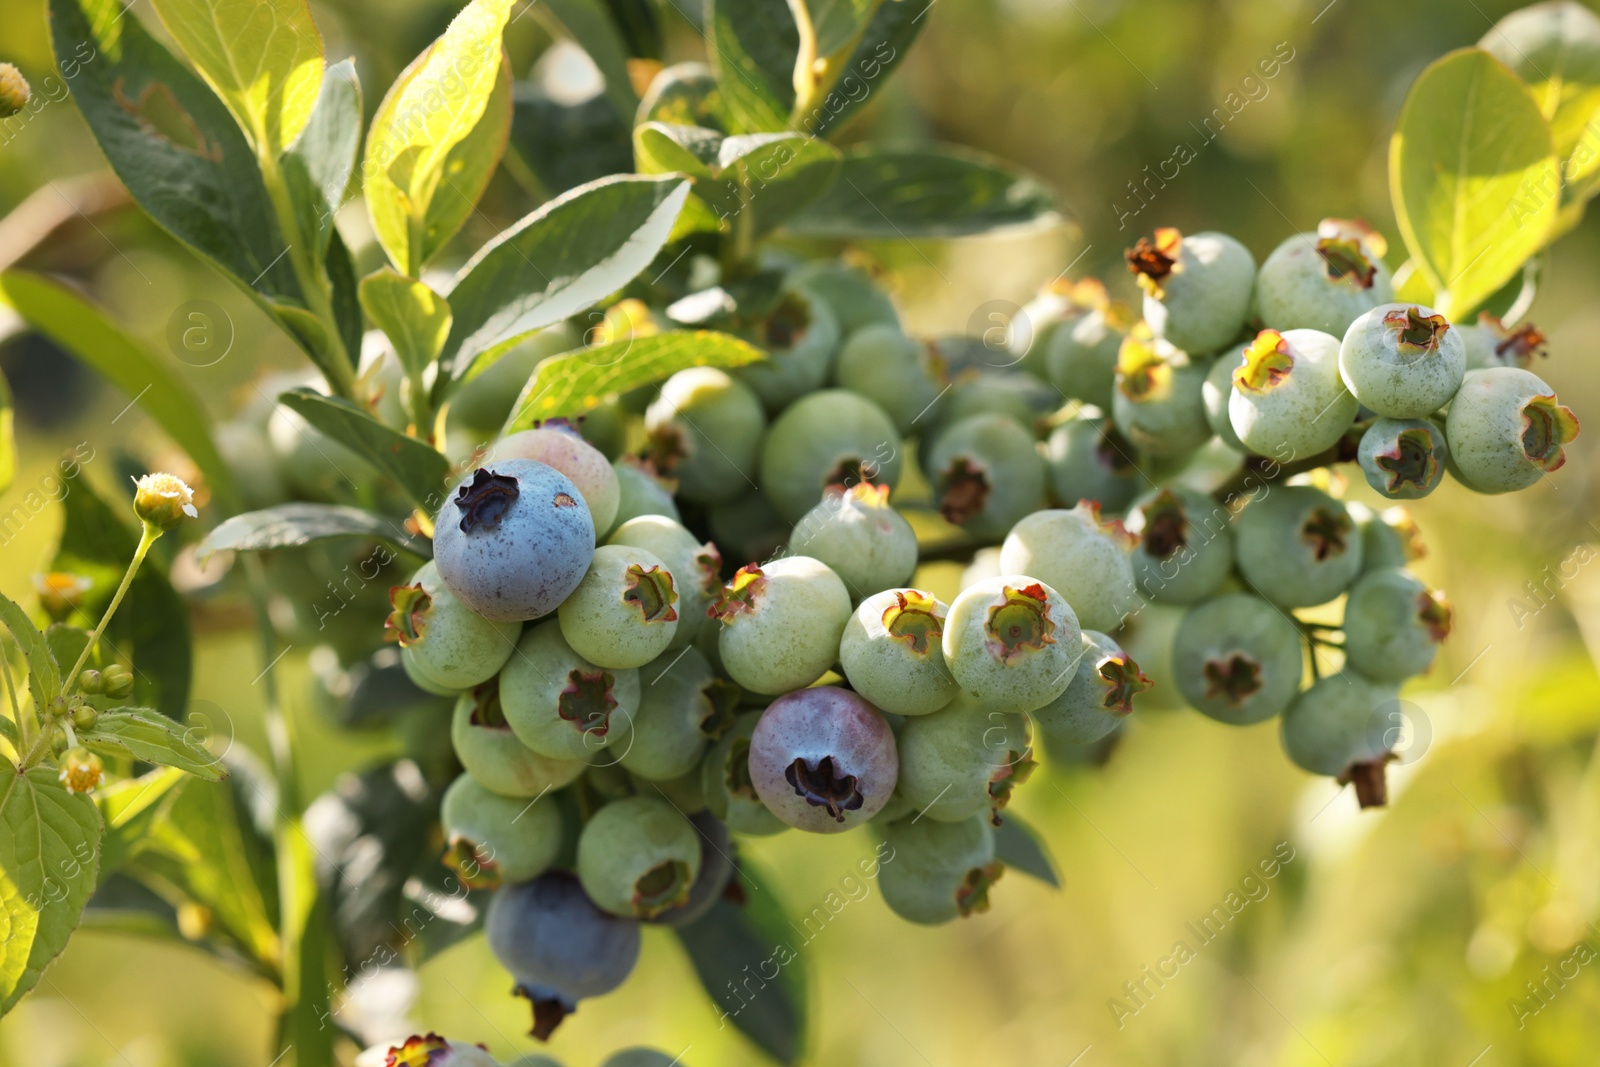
{"type": "Point", "coordinates": [149, 537]}
{"type": "Point", "coordinates": [23, 732]}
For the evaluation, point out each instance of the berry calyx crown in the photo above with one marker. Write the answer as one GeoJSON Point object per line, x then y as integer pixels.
{"type": "Point", "coordinates": [1414, 332]}
{"type": "Point", "coordinates": [1166, 525]}
{"type": "Point", "coordinates": [662, 888]}
{"type": "Point", "coordinates": [472, 863]}
{"type": "Point", "coordinates": [1154, 261]}
{"type": "Point", "coordinates": [1143, 374]}
{"type": "Point", "coordinates": [407, 624]}
{"type": "Point", "coordinates": [963, 489]}
{"type": "Point", "coordinates": [588, 701]}
{"type": "Point", "coordinates": [1235, 677]}
{"type": "Point", "coordinates": [1513, 347]}
{"type": "Point", "coordinates": [1435, 614]}
{"type": "Point", "coordinates": [740, 596]}
{"type": "Point", "coordinates": [914, 620]}
{"type": "Point", "coordinates": [972, 895]}
{"type": "Point", "coordinates": [1123, 680]}
{"type": "Point", "coordinates": [1411, 461]}
{"type": "Point", "coordinates": [1346, 262]}
{"type": "Point", "coordinates": [1267, 364]}
{"type": "Point", "coordinates": [649, 590]}
{"type": "Point", "coordinates": [1088, 512]}
{"type": "Point", "coordinates": [1327, 532]}
{"type": "Point", "coordinates": [1546, 428]}
{"type": "Point", "coordinates": [1019, 623]}
{"type": "Point", "coordinates": [485, 501]}
{"type": "Point", "coordinates": [824, 785]}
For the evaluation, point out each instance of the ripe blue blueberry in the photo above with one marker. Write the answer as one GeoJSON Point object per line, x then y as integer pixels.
{"type": "Point", "coordinates": [1297, 546]}
{"type": "Point", "coordinates": [491, 753]}
{"type": "Point", "coordinates": [1288, 397]}
{"type": "Point", "coordinates": [561, 705]}
{"type": "Point", "coordinates": [1402, 361]}
{"type": "Point", "coordinates": [1393, 625]}
{"type": "Point", "coordinates": [941, 870]}
{"type": "Point", "coordinates": [964, 760]}
{"type": "Point", "coordinates": [557, 443]}
{"type": "Point", "coordinates": [1324, 280]}
{"type": "Point", "coordinates": [491, 839]}
{"type": "Point", "coordinates": [780, 624]}
{"type": "Point", "coordinates": [558, 946]}
{"type": "Point", "coordinates": [1403, 459]}
{"type": "Point", "coordinates": [1081, 557]}
{"type": "Point", "coordinates": [1237, 659]}
{"type": "Point", "coordinates": [637, 857]}
{"type": "Point", "coordinates": [1185, 548]}
{"type": "Point", "coordinates": [1011, 642]}
{"type": "Point", "coordinates": [625, 611]}
{"type": "Point", "coordinates": [831, 437]}
{"type": "Point", "coordinates": [823, 759]}
{"type": "Point", "coordinates": [867, 543]}
{"type": "Point", "coordinates": [705, 430]}
{"type": "Point", "coordinates": [1159, 401]}
{"type": "Point", "coordinates": [893, 655]}
{"type": "Point", "coordinates": [987, 474]}
{"type": "Point", "coordinates": [1507, 430]}
{"type": "Point", "coordinates": [513, 540]}
{"type": "Point", "coordinates": [1099, 697]}
{"type": "Point", "coordinates": [1197, 288]}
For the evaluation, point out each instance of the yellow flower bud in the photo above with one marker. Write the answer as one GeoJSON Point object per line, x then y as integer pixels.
{"type": "Point", "coordinates": [162, 500]}
{"type": "Point", "coordinates": [14, 91]}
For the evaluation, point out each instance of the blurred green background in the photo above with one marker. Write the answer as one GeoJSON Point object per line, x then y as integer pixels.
{"type": "Point", "coordinates": [1453, 928]}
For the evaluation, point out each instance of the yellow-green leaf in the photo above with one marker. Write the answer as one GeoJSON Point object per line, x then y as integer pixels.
{"type": "Point", "coordinates": [8, 440]}
{"type": "Point", "coordinates": [416, 318]}
{"type": "Point", "coordinates": [1473, 176]}
{"type": "Point", "coordinates": [263, 58]}
{"type": "Point", "coordinates": [577, 382]}
{"type": "Point", "coordinates": [433, 106]}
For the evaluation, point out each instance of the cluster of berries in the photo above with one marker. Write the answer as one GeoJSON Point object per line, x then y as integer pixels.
{"type": "Point", "coordinates": [626, 696]}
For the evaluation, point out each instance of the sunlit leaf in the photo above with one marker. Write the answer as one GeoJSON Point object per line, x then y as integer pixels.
{"type": "Point", "coordinates": [415, 318]}
{"type": "Point", "coordinates": [296, 524]}
{"type": "Point", "coordinates": [417, 468]}
{"type": "Point", "coordinates": [148, 736]}
{"type": "Point", "coordinates": [318, 165]}
{"type": "Point", "coordinates": [752, 45]}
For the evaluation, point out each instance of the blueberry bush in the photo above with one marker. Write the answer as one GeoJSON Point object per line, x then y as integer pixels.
{"type": "Point", "coordinates": [625, 514]}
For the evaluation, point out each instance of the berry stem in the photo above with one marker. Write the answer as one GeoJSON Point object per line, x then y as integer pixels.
{"type": "Point", "coordinates": [146, 539]}
{"type": "Point", "coordinates": [1259, 471]}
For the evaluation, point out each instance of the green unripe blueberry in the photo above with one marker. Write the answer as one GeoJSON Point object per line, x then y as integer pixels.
{"type": "Point", "coordinates": [557, 443]}
{"type": "Point", "coordinates": [1287, 395]}
{"type": "Point", "coordinates": [642, 492]}
{"type": "Point", "coordinates": [800, 337]}
{"type": "Point", "coordinates": [987, 474]}
{"type": "Point", "coordinates": [1389, 538]}
{"type": "Point", "coordinates": [1082, 558]}
{"type": "Point", "coordinates": [781, 624]}
{"type": "Point", "coordinates": [1340, 727]}
{"type": "Point", "coordinates": [490, 752]}
{"type": "Point", "coordinates": [1216, 392]}
{"type": "Point", "coordinates": [1237, 659]}
{"type": "Point", "coordinates": [561, 705]}
{"type": "Point", "coordinates": [1506, 430]}
{"type": "Point", "coordinates": [940, 870]}
{"type": "Point", "coordinates": [729, 790]}
{"type": "Point", "coordinates": [1011, 643]}
{"type": "Point", "coordinates": [1185, 549]}
{"type": "Point", "coordinates": [1323, 280]}
{"type": "Point", "coordinates": [694, 567]}
{"type": "Point", "coordinates": [1491, 343]}
{"type": "Point", "coordinates": [637, 857]}
{"type": "Point", "coordinates": [748, 528]}
{"type": "Point", "coordinates": [893, 655]}
{"type": "Point", "coordinates": [985, 391]}
{"type": "Point", "coordinates": [1159, 402]}
{"type": "Point", "coordinates": [423, 682]}
{"type": "Point", "coordinates": [963, 760]}
{"type": "Point", "coordinates": [1087, 459]}
{"type": "Point", "coordinates": [867, 543]}
{"type": "Point", "coordinates": [1297, 546]}
{"type": "Point", "coordinates": [445, 641]}
{"type": "Point", "coordinates": [1403, 459]}
{"type": "Point", "coordinates": [1402, 361]}
{"type": "Point", "coordinates": [1080, 352]}
{"type": "Point", "coordinates": [642, 1057]}
{"type": "Point", "coordinates": [1393, 625]}
{"type": "Point", "coordinates": [683, 707]}
{"type": "Point", "coordinates": [903, 376]}
{"type": "Point", "coordinates": [490, 838]}
{"type": "Point", "coordinates": [705, 430]}
{"type": "Point", "coordinates": [831, 437]}
{"type": "Point", "coordinates": [1197, 288]}
{"type": "Point", "coordinates": [852, 295]}
{"type": "Point", "coordinates": [1099, 697]}
{"type": "Point", "coordinates": [625, 611]}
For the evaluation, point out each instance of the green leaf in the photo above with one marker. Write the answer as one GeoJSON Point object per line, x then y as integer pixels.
{"type": "Point", "coordinates": [769, 175]}
{"type": "Point", "coordinates": [173, 143]}
{"type": "Point", "coordinates": [832, 24]}
{"type": "Point", "coordinates": [293, 525]}
{"type": "Point", "coordinates": [152, 627]}
{"type": "Point", "coordinates": [346, 295]}
{"type": "Point", "coordinates": [66, 642]}
{"type": "Point", "coordinates": [847, 80]}
{"type": "Point", "coordinates": [303, 1019]}
{"type": "Point", "coordinates": [591, 27]}
{"type": "Point", "coordinates": [733, 941]}
{"type": "Point", "coordinates": [685, 94]}
{"type": "Point", "coordinates": [8, 437]}
{"type": "Point", "coordinates": [556, 146]}
{"type": "Point", "coordinates": [577, 382]}
{"type": "Point", "coordinates": [432, 107]}
{"type": "Point", "coordinates": [1473, 176]}
{"type": "Point", "coordinates": [129, 809]}
{"type": "Point", "coordinates": [661, 148]}
{"type": "Point", "coordinates": [1555, 49]}
{"type": "Point", "coordinates": [925, 192]}
{"type": "Point", "coordinates": [49, 856]}
{"type": "Point", "coordinates": [416, 319]}
{"type": "Point", "coordinates": [146, 735]}
{"type": "Point", "coordinates": [753, 45]}
{"type": "Point", "coordinates": [44, 674]}
{"type": "Point", "coordinates": [262, 57]}
{"type": "Point", "coordinates": [417, 468]}
{"type": "Point", "coordinates": [557, 262]}
{"type": "Point", "coordinates": [82, 329]}
{"type": "Point", "coordinates": [1017, 845]}
{"type": "Point", "coordinates": [318, 165]}
{"type": "Point", "coordinates": [469, 166]}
